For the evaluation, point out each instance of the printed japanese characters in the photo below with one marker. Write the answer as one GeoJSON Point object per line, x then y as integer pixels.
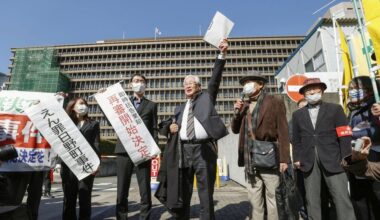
{"type": "Point", "coordinates": [16, 129]}
{"type": "Point", "coordinates": [129, 127]}
{"type": "Point", "coordinates": [64, 137]}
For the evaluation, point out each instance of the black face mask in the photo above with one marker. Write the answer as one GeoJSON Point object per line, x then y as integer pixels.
{"type": "Point", "coordinates": [368, 101]}
{"type": "Point", "coordinates": [353, 106]}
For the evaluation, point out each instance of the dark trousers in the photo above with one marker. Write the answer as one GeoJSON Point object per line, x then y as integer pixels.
{"type": "Point", "coordinates": [301, 187]}
{"type": "Point", "coordinates": [71, 189]}
{"type": "Point", "coordinates": [124, 174]}
{"type": "Point", "coordinates": [17, 183]}
{"type": "Point", "coordinates": [365, 194]}
{"type": "Point", "coordinates": [34, 193]}
{"type": "Point", "coordinates": [47, 181]}
{"type": "Point", "coordinates": [199, 159]}
{"type": "Point", "coordinates": [18, 213]}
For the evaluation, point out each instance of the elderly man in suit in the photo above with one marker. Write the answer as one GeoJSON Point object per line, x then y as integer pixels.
{"type": "Point", "coordinates": [199, 127]}
{"type": "Point", "coordinates": [321, 139]}
{"type": "Point", "coordinates": [148, 113]}
{"type": "Point", "coordinates": [262, 117]}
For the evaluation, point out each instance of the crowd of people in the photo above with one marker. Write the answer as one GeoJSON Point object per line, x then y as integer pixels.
{"type": "Point", "coordinates": [317, 143]}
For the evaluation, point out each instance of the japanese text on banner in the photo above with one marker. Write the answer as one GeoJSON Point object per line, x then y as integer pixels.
{"type": "Point", "coordinates": [16, 129]}
{"type": "Point", "coordinates": [64, 137]}
{"type": "Point", "coordinates": [129, 127]}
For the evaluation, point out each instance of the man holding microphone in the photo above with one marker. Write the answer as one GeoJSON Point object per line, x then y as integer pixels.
{"type": "Point", "coordinates": [261, 120]}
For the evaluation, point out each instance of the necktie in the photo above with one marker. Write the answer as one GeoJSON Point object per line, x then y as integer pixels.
{"type": "Point", "coordinates": [190, 132]}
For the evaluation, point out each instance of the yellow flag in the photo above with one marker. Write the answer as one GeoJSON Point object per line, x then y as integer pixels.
{"type": "Point", "coordinates": [358, 53]}
{"type": "Point", "coordinates": [372, 16]}
{"type": "Point", "coordinates": [347, 66]}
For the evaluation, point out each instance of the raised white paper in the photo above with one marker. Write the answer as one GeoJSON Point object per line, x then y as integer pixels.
{"type": "Point", "coordinates": [219, 29]}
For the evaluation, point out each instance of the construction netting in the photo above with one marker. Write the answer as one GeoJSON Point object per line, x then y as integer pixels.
{"type": "Point", "coordinates": [37, 69]}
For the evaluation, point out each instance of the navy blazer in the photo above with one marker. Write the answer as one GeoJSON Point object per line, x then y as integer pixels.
{"type": "Point", "coordinates": [204, 105]}
{"type": "Point", "coordinates": [331, 148]}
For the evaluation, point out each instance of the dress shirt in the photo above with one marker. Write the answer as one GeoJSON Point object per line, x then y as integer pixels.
{"type": "Point", "coordinates": [200, 132]}
{"type": "Point", "coordinates": [313, 112]}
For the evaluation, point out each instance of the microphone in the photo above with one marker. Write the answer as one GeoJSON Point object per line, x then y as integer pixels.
{"type": "Point", "coordinates": [237, 111]}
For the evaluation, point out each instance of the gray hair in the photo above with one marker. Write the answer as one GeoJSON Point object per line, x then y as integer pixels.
{"type": "Point", "coordinates": [196, 79]}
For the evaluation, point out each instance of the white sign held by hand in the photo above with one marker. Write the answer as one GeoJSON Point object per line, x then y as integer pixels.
{"type": "Point", "coordinates": [219, 29]}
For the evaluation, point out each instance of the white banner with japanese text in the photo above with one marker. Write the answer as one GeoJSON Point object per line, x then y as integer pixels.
{"type": "Point", "coordinates": [64, 137]}
{"type": "Point", "coordinates": [131, 130]}
{"type": "Point", "coordinates": [34, 152]}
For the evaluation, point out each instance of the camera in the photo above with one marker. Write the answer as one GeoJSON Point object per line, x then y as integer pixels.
{"type": "Point", "coordinates": [357, 144]}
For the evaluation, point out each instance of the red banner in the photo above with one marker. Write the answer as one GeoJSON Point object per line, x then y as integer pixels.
{"type": "Point", "coordinates": [16, 129]}
{"type": "Point", "coordinates": [20, 131]}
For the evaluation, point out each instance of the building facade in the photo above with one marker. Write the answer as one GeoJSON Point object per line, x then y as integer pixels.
{"type": "Point", "coordinates": [165, 62]}
{"type": "Point", "coordinates": [319, 54]}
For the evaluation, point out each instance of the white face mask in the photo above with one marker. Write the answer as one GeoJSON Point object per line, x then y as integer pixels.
{"type": "Point", "coordinates": [81, 109]}
{"type": "Point", "coordinates": [138, 87]}
{"type": "Point", "coordinates": [312, 99]}
{"type": "Point", "coordinates": [249, 88]}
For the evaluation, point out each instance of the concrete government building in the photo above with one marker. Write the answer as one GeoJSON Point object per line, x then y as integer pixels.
{"type": "Point", "coordinates": [164, 61]}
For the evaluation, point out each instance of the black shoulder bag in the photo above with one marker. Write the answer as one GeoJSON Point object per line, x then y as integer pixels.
{"type": "Point", "coordinates": [263, 153]}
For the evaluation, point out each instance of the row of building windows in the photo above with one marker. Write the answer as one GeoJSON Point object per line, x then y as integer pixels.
{"type": "Point", "coordinates": [162, 83]}
{"type": "Point", "coordinates": [168, 64]}
{"type": "Point", "coordinates": [266, 50]}
{"type": "Point", "coordinates": [246, 59]}
{"type": "Point", "coordinates": [187, 45]}
{"type": "Point", "coordinates": [175, 54]}
{"type": "Point", "coordinates": [171, 95]}
{"type": "Point", "coordinates": [172, 83]}
{"type": "Point", "coordinates": [115, 74]}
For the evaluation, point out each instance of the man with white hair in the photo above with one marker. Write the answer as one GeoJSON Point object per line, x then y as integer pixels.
{"type": "Point", "coordinates": [199, 128]}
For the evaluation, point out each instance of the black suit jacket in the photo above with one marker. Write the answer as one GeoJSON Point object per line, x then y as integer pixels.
{"type": "Point", "coordinates": [331, 148]}
{"type": "Point", "coordinates": [148, 113]}
{"type": "Point", "coordinates": [204, 105]}
{"type": "Point", "coordinates": [91, 131]}
{"type": "Point", "coordinates": [169, 191]}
